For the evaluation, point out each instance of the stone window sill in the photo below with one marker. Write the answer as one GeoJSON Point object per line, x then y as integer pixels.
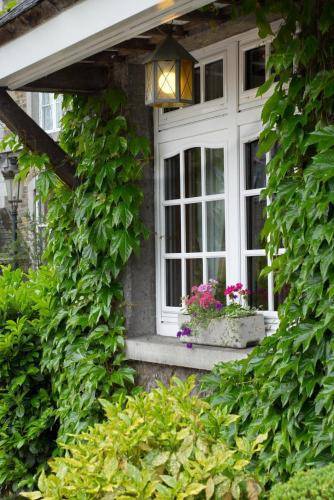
{"type": "Point", "coordinates": [169, 351]}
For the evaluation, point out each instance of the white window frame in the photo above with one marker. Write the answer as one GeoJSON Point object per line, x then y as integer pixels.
{"type": "Point", "coordinates": [226, 123]}
{"type": "Point", "coordinates": [53, 106]}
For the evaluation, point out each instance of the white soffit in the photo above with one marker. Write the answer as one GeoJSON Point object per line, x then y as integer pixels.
{"type": "Point", "coordinates": [82, 30]}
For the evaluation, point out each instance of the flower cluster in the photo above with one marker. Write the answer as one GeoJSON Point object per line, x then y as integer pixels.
{"type": "Point", "coordinates": [203, 296]}
{"type": "Point", "coordinates": [185, 331]}
{"type": "Point", "coordinates": [233, 291]}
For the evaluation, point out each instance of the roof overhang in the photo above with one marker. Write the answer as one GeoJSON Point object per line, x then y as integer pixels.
{"type": "Point", "coordinates": [82, 30]}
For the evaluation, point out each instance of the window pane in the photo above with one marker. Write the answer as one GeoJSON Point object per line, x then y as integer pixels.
{"type": "Point", "coordinates": [192, 168]}
{"type": "Point", "coordinates": [214, 160]}
{"type": "Point", "coordinates": [47, 118]}
{"type": "Point", "coordinates": [59, 111]}
{"type": "Point", "coordinates": [279, 297]}
{"type": "Point", "coordinates": [173, 229]}
{"type": "Point", "coordinates": [173, 282]}
{"type": "Point", "coordinates": [172, 178]}
{"type": "Point", "coordinates": [258, 286]}
{"type": "Point", "coordinates": [194, 227]}
{"type": "Point", "coordinates": [214, 82]}
{"type": "Point", "coordinates": [197, 85]}
{"type": "Point", "coordinates": [215, 211]}
{"type": "Point", "coordinates": [46, 98]}
{"type": "Point", "coordinates": [255, 220]}
{"type": "Point", "coordinates": [217, 271]}
{"type": "Point", "coordinates": [186, 79]}
{"type": "Point", "coordinates": [194, 269]}
{"type": "Point", "coordinates": [255, 72]}
{"type": "Point", "coordinates": [255, 167]}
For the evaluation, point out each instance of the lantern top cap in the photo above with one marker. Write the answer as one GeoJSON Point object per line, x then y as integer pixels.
{"type": "Point", "coordinates": [169, 50]}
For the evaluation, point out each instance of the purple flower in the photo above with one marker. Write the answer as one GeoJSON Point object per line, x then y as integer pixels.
{"type": "Point", "coordinates": [186, 331]}
{"type": "Point", "coordinates": [179, 333]}
{"type": "Point", "coordinates": [189, 345]}
{"type": "Point", "coordinates": [219, 306]}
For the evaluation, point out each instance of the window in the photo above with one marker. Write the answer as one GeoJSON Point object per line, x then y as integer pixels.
{"type": "Point", "coordinates": [194, 220]}
{"type": "Point", "coordinates": [254, 180]}
{"type": "Point", "coordinates": [50, 111]}
{"type": "Point", "coordinates": [208, 83]}
{"type": "Point", "coordinates": [210, 213]}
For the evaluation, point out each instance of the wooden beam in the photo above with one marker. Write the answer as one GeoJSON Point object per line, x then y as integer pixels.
{"type": "Point", "coordinates": [77, 78]}
{"type": "Point", "coordinates": [34, 138]}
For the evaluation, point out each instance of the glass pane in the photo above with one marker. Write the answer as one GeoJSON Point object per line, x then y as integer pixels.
{"type": "Point", "coordinates": [166, 80]}
{"type": "Point", "coordinates": [173, 229]}
{"type": "Point", "coordinates": [172, 178]}
{"type": "Point", "coordinates": [214, 82]}
{"type": "Point", "coordinates": [215, 219]}
{"type": "Point", "coordinates": [192, 172]}
{"type": "Point", "coordinates": [194, 270]}
{"type": "Point", "coordinates": [214, 161]}
{"type": "Point", "coordinates": [194, 227]}
{"type": "Point", "coordinates": [255, 72]}
{"type": "Point", "coordinates": [217, 271]}
{"type": "Point", "coordinates": [197, 85]}
{"type": "Point", "coordinates": [59, 111]}
{"type": "Point", "coordinates": [258, 286]}
{"type": "Point", "coordinates": [46, 98]}
{"type": "Point", "coordinates": [173, 283]}
{"type": "Point", "coordinates": [255, 167]}
{"type": "Point", "coordinates": [255, 220]}
{"type": "Point", "coordinates": [186, 79]}
{"type": "Point", "coordinates": [47, 118]}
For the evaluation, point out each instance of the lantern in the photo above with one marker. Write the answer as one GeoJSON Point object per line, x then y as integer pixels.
{"type": "Point", "coordinates": [169, 76]}
{"type": "Point", "coordinates": [9, 169]}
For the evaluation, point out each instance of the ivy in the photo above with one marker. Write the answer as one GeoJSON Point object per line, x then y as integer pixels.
{"type": "Point", "coordinates": [91, 232]}
{"type": "Point", "coordinates": [286, 387]}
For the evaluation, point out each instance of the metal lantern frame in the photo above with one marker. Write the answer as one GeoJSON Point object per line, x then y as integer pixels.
{"type": "Point", "coordinates": [9, 170]}
{"type": "Point", "coordinates": [181, 64]}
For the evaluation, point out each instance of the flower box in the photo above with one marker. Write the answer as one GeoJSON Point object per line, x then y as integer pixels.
{"type": "Point", "coordinates": [237, 332]}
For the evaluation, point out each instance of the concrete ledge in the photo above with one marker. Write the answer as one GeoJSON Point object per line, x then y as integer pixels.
{"type": "Point", "coordinates": [169, 351]}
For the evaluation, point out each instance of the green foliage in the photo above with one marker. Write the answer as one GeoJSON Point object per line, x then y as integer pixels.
{"type": "Point", "coordinates": [286, 387]}
{"type": "Point", "coordinates": [92, 232]}
{"type": "Point", "coordinates": [27, 413]}
{"type": "Point", "coordinates": [162, 445]}
{"type": "Point", "coordinates": [314, 483]}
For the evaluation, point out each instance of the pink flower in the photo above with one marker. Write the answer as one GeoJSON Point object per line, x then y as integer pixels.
{"type": "Point", "coordinates": [194, 289]}
{"type": "Point", "coordinates": [205, 288]}
{"type": "Point", "coordinates": [238, 286]}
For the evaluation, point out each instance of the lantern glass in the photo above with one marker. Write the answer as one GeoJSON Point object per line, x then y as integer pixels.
{"type": "Point", "coordinates": [166, 80]}
{"type": "Point", "coordinates": [186, 80]}
{"type": "Point", "coordinates": [149, 82]}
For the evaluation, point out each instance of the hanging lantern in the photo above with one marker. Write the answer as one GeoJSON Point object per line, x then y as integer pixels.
{"type": "Point", "coordinates": [169, 76]}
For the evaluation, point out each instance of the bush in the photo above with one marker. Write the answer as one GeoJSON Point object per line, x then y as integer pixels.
{"type": "Point", "coordinates": [314, 483]}
{"type": "Point", "coordinates": [26, 410]}
{"type": "Point", "coordinates": [163, 444]}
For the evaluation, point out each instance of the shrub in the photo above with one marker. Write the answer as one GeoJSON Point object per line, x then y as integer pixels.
{"type": "Point", "coordinates": [163, 445]}
{"type": "Point", "coordinates": [26, 409]}
{"type": "Point", "coordinates": [314, 483]}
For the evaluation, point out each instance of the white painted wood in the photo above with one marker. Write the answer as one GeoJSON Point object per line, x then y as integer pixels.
{"type": "Point", "coordinates": [82, 30]}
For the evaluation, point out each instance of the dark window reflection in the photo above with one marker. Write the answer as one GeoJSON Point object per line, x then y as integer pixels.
{"type": "Point", "coordinates": [172, 178]}
{"type": "Point", "coordinates": [255, 167]}
{"type": "Point", "coordinates": [214, 161]}
{"type": "Point", "coordinates": [194, 227]}
{"type": "Point", "coordinates": [217, 271]}
{"type": "Point", "coordinates": [197, 85]}
{"type": "Point", "coordinates": [215, 211]}
{"type": "Point", "coordinates": [173, 282]}
{"type": "Point", "coordinates": [214, 81]}
{"type": "Point", "coordinates": [194, 270]}
{"type": "Point", "coordinates": [173, 229]}
{"type": "Point", "coordinates": [255, 72]}
{"type": "Point", "coordinates": [256, 284]}
{"type": "Point", "coordinates": [255, 221]}
{"type": "Point", "coordinates": [192, 168]}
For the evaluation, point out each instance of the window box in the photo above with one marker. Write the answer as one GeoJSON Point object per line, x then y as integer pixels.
{"type": "Point", "coordinates": [238, 333]}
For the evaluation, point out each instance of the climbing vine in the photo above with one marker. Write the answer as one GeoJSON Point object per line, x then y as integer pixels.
{"type": "Point", "coordinates": [286, 387]}
{"type": "Point", "coordinates": [92, 232]}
